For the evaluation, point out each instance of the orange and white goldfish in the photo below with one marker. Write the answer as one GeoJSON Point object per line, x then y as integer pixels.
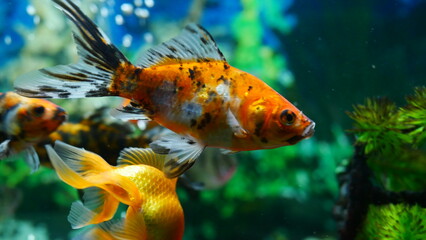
{"type": "Point", "coordinates": [184, 84]}
{"type": "Point", "coordinates": [25, 122]}
{"type": "Point", "coordinates": [154, 210]}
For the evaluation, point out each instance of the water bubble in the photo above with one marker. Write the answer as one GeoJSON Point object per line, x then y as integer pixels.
{"type": "Point", "coordinates": [104, 12]}
{"type": "Point", "coordinates": [119, 20]}
{"type": "Point", "coordinates": [286, 79]}
{"type": "Point", "coordinates": [148, 37]}
{"type": "Point", "coordinates": [31, 10]}
{"type": "Point", "coordinates": [127, 40]}
{"type": "Point", "coordinates": [138, 3]}
{"type": "Point", "coordinates": [142, 12]}
{"type": "Point", "coordinates": [126, 8]}
{"type": "Point", "coordinates": [36, 20]}
{"type": "Point", "coordinates": [7, 39]}
{"type": "Point", "coordinates": [93, 8]}
{"type": "Point", "coordinates": [149, 3]}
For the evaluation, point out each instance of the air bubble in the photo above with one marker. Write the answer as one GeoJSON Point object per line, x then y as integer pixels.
{"type": "Point", "coordinates": [142, 12]}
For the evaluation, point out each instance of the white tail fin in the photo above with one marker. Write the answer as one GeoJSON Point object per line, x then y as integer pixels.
{"type": "Point", "coordinates": [90, 77]}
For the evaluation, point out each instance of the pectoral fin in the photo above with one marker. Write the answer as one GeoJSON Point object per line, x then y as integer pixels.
{"type": "Point", "coordinates": [4, 149]}
{"type": "Point", "coordinates": [181, 153]}
{"type": "Point", "coordinates": [212, 170]}
{"type": "Point", "coordinates": [235, 125]}
{"type": "Point", "coordinates": [31, 157]}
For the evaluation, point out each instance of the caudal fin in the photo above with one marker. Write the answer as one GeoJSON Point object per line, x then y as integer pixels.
{"type": "Point", "coordinates": [90, 77]}
{"type": "Point", "coordinates": [83, 169]}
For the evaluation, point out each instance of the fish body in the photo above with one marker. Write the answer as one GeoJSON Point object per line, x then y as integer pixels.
{"type": "Point", "coordinates": [154, 210]}
{"type": "Point", "coordinates": [24, 122]}
{"type": "Point", "coordinates": [196, 99]}
{"type": "Point", "coordinates": [98, 132]}
{"type": "Point", "coordinates": [185, 84]}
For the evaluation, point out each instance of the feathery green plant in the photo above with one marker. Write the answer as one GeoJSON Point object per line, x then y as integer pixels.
{"type": "Point", "coordinates": [392, 138]}
{"type": "Point", "coordinates": [394, 221]}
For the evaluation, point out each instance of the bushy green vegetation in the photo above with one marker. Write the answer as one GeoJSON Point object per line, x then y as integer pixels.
{"type": "Point", "coordinates": [392, 138]}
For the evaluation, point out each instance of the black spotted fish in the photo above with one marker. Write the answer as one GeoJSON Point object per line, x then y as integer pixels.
{"type": "Point", "coordinates": [184, 84]}
{"type": "Point", "coordinates": [25, 122]}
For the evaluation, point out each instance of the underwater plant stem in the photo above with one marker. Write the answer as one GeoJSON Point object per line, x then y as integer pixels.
{"type": "Point", "coordinates": [356, 180]}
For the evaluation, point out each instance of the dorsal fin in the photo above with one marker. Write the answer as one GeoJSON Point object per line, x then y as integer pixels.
{"type": "Point", "coordinates": [194, 43]}
{"type": "Point", "coordinates": [145, 156]}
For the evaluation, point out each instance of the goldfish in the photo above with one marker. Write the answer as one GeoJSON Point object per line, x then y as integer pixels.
{"type": "Point", "coordinates": [154, 210]}
{"type": "Point", "coordinates": [185, 84]}
{"type": "Point", "coordinates": [97, 132]}
{"type": "Point", "coordinates": [24, 122]}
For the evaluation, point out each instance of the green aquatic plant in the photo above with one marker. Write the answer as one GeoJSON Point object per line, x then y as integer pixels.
{"type": "Point", "coordinates": [414, 115]}
{"type": "Point", "coordinates": [383, 187]}
{"type": "Point", "coordinates": [392, 139]}
{"type": "Point", "coordinates": [394, 221]}
{"type": "Point", "coordinates": [382, 127]}
{"type": "Point", "coordinates": [376, 126]}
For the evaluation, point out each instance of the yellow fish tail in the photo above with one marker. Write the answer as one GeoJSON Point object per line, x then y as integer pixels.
{"type": "Point", "coordinates": [66, 173]}
{"type": "Point", "coordinates": [103, 187]}
{"type": "Point", "coordinates": [98, 207]}
{"type": "Point", "coordinates": [96, 233]}
{"type": "Point", "coordinates": [131, 228]}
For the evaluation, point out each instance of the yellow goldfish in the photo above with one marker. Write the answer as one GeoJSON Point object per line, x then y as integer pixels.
{"type": "Point", "coordinates": [154, 211]}
{"type": "Point", "coordinates": [184, 84]}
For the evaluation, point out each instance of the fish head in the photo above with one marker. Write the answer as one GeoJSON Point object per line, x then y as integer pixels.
{"type": "Point", "coordinates": [40, 117]}
{"type": "Point", "coordinates": [275, 122]}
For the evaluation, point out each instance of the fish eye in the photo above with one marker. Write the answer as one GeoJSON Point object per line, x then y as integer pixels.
{"type": "Point", "coordinates": [38, 111]}
{"type": "Point", "coordinates": [287, 117]}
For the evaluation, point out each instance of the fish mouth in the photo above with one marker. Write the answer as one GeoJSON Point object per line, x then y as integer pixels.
{"type": "Point", "coordinates": [309, 130]}
{"type": "Point", "coordinates": [60, 115]}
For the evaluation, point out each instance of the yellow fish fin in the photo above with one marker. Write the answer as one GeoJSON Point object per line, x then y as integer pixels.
{"type": "Point", "coordinates": [145, 156]}
{"type": "Point", "coordinates": [193, 44]}
{"type": "Point", "coordinates": [94, 233]}
{"type": "Point", "coordinates": [81, 161]}
{"type": "Point", "coordinates": [82, 169]}
{"type": "Point", "coordinates": [130, 228]}
{"type": "Point", "coordinates": [99, 206]}
{"type": "Point", "coordinates": [64, 172]}
{"type": "Point", "coordinates": [181, 153]}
